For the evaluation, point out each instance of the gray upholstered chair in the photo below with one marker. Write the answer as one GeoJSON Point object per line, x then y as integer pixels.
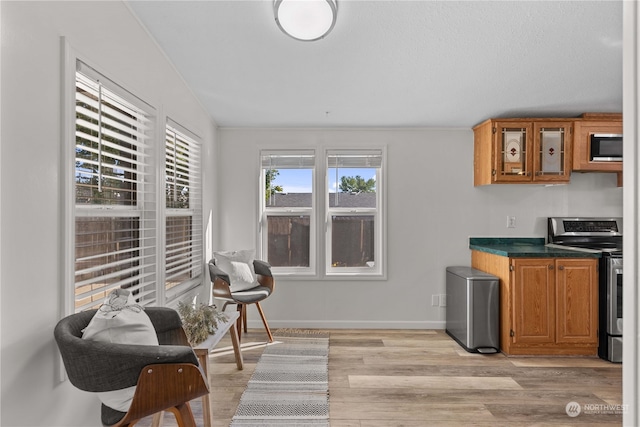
{"type": "Point", "coordinates": [166, 376]}
{"type": "Point", "coordinates": [264, 287]}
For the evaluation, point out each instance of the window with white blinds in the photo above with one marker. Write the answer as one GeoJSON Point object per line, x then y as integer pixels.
{"type": "Point", "coordinates": [115, 201]}
{"type": "Point", "coordinates": [183, 223]}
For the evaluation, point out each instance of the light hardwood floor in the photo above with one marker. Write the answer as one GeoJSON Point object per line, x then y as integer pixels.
{"type": "Point", "coordinates": [411, 378]}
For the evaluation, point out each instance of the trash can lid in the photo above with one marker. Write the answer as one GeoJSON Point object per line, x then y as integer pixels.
{"type": "Point", "coordinates": [470, 273]}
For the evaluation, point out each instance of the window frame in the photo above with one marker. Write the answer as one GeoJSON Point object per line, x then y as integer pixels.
{"type": "Point", "coordinates": [193, 211]}
{"type": "Point", "coordinates": [378, 213]}
{"type": "Point", "coordinates": [267, 211]}
{"type": "Point", "coordinates": [320, 229]}
{"type": "Point", "coordinates": [144, 262]}
{"type": "Point", "coordinates": [154, 199]}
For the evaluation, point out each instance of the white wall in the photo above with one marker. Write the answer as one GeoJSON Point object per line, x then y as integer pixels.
{"type": "Point", "coordinates": [433, 209]}
{"type": "Point", "coordinates": [107, 35]}
{"type": "Point", "coordinates": [631, 111]}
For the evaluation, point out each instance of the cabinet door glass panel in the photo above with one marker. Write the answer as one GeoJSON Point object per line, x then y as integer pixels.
{"type": "Point", "coordinates": [552, 151]}
{"type": "Point", "coordinates": [514, 151]}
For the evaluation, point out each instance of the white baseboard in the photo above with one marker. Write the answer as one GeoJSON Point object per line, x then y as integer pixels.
{"type": "Point", "coordinates": [349, 324]}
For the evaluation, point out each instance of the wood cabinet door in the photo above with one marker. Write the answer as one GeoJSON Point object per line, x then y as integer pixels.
{"type": "Point", "coordinates": [512, 151]}
{"type": "Point", "coordinates": [576, 301]}
{"type": "Point", "coordinates": [552, 151]}
{"type": "Point", "coordinates": [533, 301]}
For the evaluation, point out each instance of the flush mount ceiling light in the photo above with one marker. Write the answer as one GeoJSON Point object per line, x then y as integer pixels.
{"type": "Point", "coordinates": [305, 20]}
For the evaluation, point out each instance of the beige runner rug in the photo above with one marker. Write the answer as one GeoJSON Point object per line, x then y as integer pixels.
{"type": "Point", "coordinates": [290, 385]}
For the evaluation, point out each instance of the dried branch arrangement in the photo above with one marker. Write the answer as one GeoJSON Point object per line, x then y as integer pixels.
{"type": "Point", "coordinates": [199, 322]}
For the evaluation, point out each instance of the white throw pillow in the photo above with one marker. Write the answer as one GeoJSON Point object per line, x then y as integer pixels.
{"type": "Point", "coordinates": [120, 321]}
{"type": "Point", "coordinates": [239, 266]}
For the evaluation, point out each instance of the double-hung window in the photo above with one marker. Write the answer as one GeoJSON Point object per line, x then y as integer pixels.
{"type": "Point", "coordinates": [183, 206]}
{"type": "Point", "coordinates": [287, 211]}
{"type": "Point", "coordinates": [354, 212]}
{"type": "Point", "coordinates": [350, 241]}
{"type": "Point", "coordinates": [123, 232]}
{"type": "Point", "coordinates": [115, 209]}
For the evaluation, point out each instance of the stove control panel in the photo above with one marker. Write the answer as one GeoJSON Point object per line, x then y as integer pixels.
{"type": "Point", "coordinates": [590, 226]}
{"type": "Point", "coordinates": [582, 227]}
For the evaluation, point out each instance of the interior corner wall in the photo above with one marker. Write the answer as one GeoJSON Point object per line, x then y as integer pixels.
{"type": "Point", "coordinates": [110, 37]}
{"type": "Point", "coordinates": [433, 208]}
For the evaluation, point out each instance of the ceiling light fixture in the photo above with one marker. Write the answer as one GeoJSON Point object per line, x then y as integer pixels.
{"type": "Point", "coordinates": [306, 20]}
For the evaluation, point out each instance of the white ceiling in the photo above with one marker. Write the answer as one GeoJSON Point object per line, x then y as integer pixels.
{"type": "Point", "coordinates": [395, 63]}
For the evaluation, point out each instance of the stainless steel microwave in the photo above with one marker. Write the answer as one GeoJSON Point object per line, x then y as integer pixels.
{"type": "Point", "coordinates": [606, 147]}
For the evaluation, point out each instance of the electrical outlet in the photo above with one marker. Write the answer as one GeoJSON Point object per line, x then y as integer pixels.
{"type": "Point", "coordinates": [511, 222]}
{"type": "Point", "coordinates": [435, 300]}
{"type": "Point", "coordinates": [443, 300]}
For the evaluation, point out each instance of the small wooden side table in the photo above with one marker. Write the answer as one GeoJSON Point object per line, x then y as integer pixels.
{"type": "Point", "coordinates": [202, 352]}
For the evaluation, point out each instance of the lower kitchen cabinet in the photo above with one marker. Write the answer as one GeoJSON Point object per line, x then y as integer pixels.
{"type": "Point", "coordinates": [548, 306]}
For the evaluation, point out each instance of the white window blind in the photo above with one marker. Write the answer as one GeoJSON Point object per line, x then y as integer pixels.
{"type": "Point", "coordinates": [299, 159]}
{"type": "Point", "coordinates": [115, 208]}
{"type": "Point", "coordinates": [183, 196]}
{"type": "Point", "coordinates": [354, 158]}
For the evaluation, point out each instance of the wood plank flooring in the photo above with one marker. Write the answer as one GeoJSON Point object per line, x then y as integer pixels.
{"type": "Point", "coordinates": [411, 378]}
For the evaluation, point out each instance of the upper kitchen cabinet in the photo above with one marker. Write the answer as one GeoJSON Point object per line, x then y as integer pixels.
{"type": "Point", "coordinates": [598, 143]}
{"type": "Point", "coordinates": [522, 151]}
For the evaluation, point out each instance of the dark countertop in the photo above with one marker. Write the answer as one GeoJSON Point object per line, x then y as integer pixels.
{"type": "Point", "coordinates": [525, 247]}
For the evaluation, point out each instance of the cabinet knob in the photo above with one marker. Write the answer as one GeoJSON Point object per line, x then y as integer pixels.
{"type": "Point", "coordinates": [561, 267]}
{"type": "Point", "coordinates": [550, 266]}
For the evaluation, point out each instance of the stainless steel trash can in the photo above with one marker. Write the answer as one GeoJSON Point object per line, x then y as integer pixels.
{"type": "Point", "coordinates": [473, 309]}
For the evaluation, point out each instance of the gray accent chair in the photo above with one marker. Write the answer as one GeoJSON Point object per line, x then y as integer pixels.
{"type": "Point", "coordinates": [166, 376]}
{"type": "Point", "coordinates": [264, 287]}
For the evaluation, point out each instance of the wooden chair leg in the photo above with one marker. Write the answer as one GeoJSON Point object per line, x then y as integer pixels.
{"type": "Point", "coordinates": [237, 350]}
{"type": "Point", "coordinates": [264, 320]}
{"type": "Point", "coordinates": [183, 414]}
{"type": "Point", "coordinates": [244, 319]}
{"type": "Point", "coordinates": [241, 309]}
{"type": "Point", "coordinates": [158, 419]}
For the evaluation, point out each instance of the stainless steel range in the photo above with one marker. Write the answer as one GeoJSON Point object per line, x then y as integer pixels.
{"type": "Point", "coordinates": [603, 235]}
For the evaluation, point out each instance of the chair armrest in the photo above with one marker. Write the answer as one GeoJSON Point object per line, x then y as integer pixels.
{"type": "Point", "coordinates": [168, 326]}
{"type": "Point", "coordinates": [221, 282]}
{"type": "Point", "coordinates": [163, 319]}
{"type": "Point", "coordinates": [263, 271]}
{"type": "Point", "coordinates": [262, 268]}
{"type": "Point", "coordinates": [216, 273]}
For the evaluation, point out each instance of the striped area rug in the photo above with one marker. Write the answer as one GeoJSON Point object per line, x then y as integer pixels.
{"type": "Point", "coordinates": [289, 386]}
